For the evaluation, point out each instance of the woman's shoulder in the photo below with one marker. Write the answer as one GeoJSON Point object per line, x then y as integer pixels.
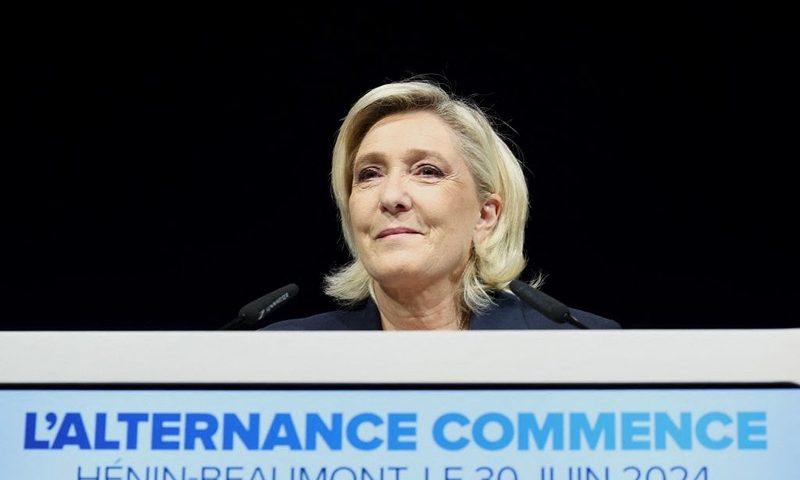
{"type": "Point", "coordinates": [361, 317]}
{"type": "Point", "coordinates": [509, 312]}
{"type": "Point", "coordinates": [594, 321]}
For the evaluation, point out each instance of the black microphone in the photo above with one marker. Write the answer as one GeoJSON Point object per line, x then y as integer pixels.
{"type": "Point", "coordinates": [254, 312]}
{"type": "Point", "coordinates": [545, 304]}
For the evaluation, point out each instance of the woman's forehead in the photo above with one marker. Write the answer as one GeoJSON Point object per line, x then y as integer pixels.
{"type": "Point", "coordinates": [411, 132]}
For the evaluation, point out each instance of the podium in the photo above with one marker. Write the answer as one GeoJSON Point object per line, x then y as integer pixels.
{"type": "Point", "coordinates": [489, 405]}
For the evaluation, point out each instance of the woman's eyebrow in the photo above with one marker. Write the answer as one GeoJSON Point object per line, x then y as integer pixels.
{"type": "Point", "coordinates": [410, 155]}
{"type": "Point", "coordinates": [415, 154]}
{"type": "Point", "coordinates": [371, 157]}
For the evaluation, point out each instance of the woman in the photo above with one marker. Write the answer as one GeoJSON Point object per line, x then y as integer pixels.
{"type": "Point", "coordinates": [433, 206]}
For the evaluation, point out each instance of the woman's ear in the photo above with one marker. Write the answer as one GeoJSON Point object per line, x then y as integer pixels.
{"type": "Point", "coordinates": [490, 214]}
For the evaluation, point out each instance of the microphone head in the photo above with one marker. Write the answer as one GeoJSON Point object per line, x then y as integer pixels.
{"type": "Point", "coordinates": [261, 307]}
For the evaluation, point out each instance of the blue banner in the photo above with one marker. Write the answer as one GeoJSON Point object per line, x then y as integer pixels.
{"type": "Point", "coordinates": [400, 434]}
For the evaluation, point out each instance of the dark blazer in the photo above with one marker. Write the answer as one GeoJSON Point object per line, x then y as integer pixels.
{"type": "Point", "coordinates": [509, 313]}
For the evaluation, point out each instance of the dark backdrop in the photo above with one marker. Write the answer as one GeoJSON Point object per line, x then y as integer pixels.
{"type": "Point", "coordinates": [162, 169]}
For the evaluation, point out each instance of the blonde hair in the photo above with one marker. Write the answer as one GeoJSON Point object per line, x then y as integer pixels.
{"type": "Point", "coordinates": [497, 259]}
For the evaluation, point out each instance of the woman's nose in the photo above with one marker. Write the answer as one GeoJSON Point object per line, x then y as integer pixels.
{"type": "Point", "coordinates": [395, 196]}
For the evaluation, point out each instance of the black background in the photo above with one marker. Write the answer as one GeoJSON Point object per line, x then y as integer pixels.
{"type": "Point", "coordinates": [162, 169]}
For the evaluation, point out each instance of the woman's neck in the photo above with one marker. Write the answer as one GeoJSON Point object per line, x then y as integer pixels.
{"type": "Point", "coordinates": [423, 309]}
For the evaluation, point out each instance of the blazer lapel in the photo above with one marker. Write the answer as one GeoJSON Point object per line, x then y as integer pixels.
{"type": "Point", "coordinates": [366, 318]}
{"type": "Point", "coordinates": [507, 314]}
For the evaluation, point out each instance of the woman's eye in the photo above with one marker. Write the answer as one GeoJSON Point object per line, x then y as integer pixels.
{"type": "Point", "coordinates": [429, 171]}
{"type": "Point", "coordinates": [366, 174]}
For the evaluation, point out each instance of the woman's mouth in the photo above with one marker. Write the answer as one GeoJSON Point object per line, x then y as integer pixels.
{"type": "Point", "coordinates": [396, 231]}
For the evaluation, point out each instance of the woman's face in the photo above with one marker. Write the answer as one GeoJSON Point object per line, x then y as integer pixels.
{"type": "Point", "coordinates": [414, 206]}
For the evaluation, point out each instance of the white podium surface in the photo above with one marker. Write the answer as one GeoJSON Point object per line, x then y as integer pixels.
{"type": "Point", "coordinates": [610, 356]}
{"type": "Point", "coordinates": [493, 405]}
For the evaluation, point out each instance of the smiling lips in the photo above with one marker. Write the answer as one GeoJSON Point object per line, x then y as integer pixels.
{"type": "Point", "coordinates": [395, 231]}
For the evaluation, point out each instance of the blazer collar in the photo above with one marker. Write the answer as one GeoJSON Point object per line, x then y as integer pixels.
{"type": "Point", "coordinates": [506, 314]}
